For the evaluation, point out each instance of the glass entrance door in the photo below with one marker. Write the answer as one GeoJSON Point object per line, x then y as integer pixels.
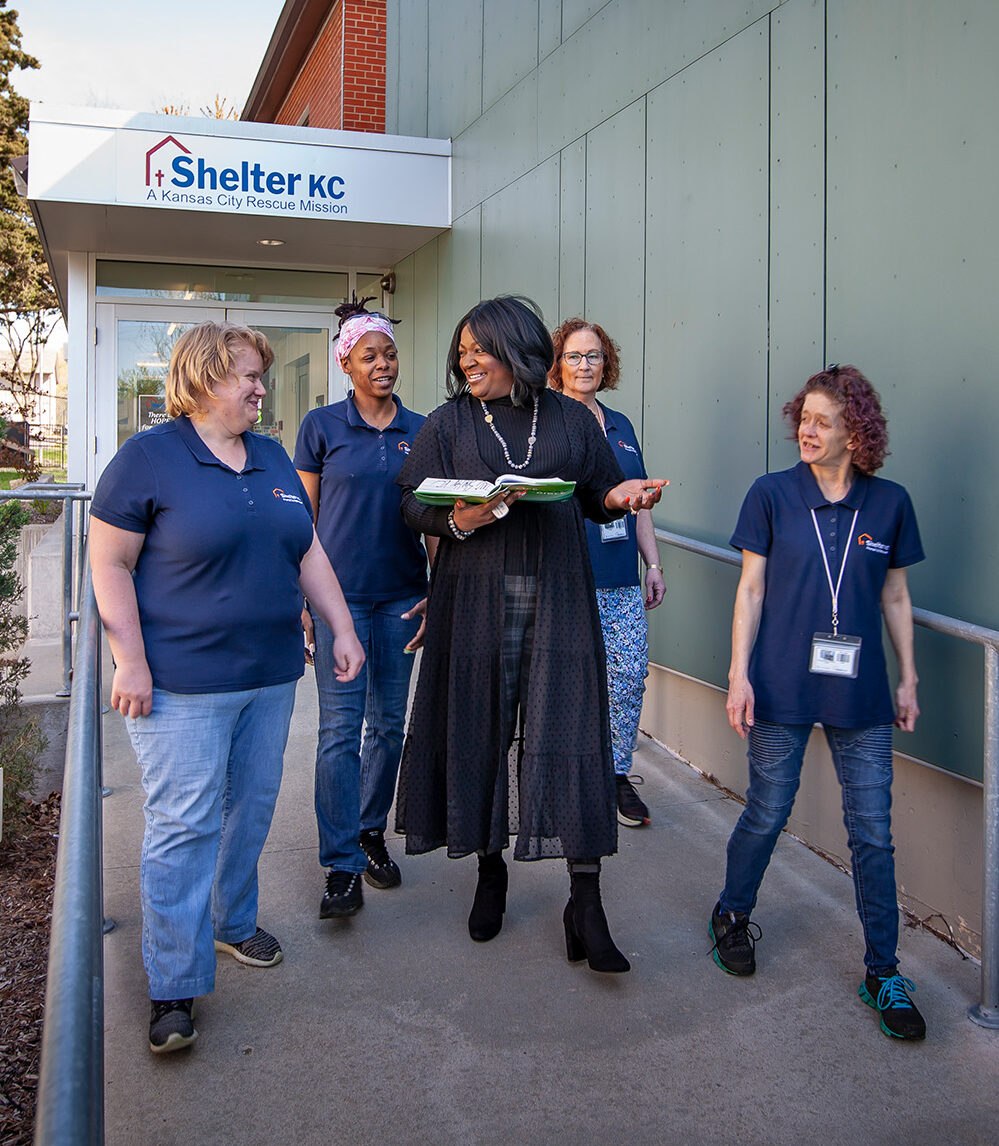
{"type": "Point", "coordinates": [134, 344]}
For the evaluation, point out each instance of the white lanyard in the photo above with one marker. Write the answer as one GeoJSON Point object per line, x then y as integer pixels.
{"type": "Point", "coordinates": [834, 593]}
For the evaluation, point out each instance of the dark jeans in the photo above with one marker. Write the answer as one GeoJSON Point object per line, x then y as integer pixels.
{"type": "Point", "coordinates": [862, 757]}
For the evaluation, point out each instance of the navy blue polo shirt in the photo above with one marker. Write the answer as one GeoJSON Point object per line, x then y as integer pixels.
{"type": "Point", "coordinates": [615, 562]}
{"type": "Point", "coordinates": [375, 554]}
{"type": "Point", "coordinates": [775, 523]}
{"type": "Point", "coordinates": [217, 578]}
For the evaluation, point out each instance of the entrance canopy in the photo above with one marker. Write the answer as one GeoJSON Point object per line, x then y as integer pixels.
{"type": "Point", "coordinates": [182, 188]}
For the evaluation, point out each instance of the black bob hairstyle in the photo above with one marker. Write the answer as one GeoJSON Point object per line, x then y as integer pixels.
{"type": "Point", "coordinates": [511, 329]}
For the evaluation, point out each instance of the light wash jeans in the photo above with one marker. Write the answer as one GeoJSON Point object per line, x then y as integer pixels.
{"type": "Point", "coordinates": [862, 757]}
{"type": "Point", "coordinates": [355, 782]}
{"type": "Point", "coordinates": [211, 769]}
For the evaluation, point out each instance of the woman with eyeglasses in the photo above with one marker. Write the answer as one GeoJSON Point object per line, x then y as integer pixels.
{"type": "Point", "coordinates": [513, 633]}
{"type": "Point", "coordinates": [586, 363]}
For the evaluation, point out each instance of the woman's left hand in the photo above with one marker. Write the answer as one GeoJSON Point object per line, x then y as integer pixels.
{"type": "Point", "coordinates": [636, 494]}
{"type": "Point", "coordinates": [418, 610]}
{"type": "Point", "coordinates": [655, 588]}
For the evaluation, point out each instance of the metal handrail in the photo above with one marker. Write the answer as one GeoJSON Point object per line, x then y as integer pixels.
{"type": "Point", "coordinates": [70, 1104]}
{"type": "Point", "coordinates": [986, 1011]}
{"type": "Point", "coordinates": [68, 493]}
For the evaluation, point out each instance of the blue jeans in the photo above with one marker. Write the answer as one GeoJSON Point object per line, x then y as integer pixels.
{"type": "Point", "coordinates": [211, 769]}
{"type": "Point", "coordinates": [862, 757]}
{"type": "Point", "coordinates": [355, 783]}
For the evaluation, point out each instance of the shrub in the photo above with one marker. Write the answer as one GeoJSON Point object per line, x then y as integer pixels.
{"type": "Point", "coordinates": [21, 741]}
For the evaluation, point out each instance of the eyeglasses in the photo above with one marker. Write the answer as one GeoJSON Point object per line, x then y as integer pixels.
{"type": "Point", "coordinates": [594, 357]}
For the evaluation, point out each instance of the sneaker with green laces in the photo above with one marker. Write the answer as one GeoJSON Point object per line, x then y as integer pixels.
{"type": "Point", "coordinates": [889, 996]}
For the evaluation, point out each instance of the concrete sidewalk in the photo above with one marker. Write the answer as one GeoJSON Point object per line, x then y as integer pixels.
{"type": "Point", "coordinates": [394, 1027]}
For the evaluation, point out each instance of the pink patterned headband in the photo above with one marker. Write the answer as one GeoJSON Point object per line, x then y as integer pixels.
{"type": "Point", "coordinates": [357, 326]}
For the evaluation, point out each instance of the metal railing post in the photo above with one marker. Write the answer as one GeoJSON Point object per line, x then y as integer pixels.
{"type": "Point", "coordinates": [67, 596]}
{"type": "Point", "coordinates": [70, 1104]}
{"type": "Point", "coordinates": [986, 1011]}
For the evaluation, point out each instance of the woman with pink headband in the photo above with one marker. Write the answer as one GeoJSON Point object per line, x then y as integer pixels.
{"type": "Point", "coordinates": [348, 455]}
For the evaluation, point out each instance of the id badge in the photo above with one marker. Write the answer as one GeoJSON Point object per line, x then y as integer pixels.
{"type": "Point", "coordinates": [835, 655]}
{"type": "Point", "coordinates": [614, 530]}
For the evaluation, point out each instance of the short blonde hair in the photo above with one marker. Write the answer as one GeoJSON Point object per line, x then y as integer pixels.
{"type": "Point", "coordinates": [202, 359]}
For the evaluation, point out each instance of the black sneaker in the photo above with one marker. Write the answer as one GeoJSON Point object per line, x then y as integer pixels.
{"type": "Point", "coordinates": [631, 809]}
{"type": "Point", "coordinates": [382, 870]}
{"type": "Point", "coordinates": [171, 1025]}
{"type": "Point", "coordinates": [889, 995]}
{"type": "Point", "coordinates": [344, 895]}
{"type": "Point", "coordinates": [260, 950]}
{"type": "Point", "coordinates": [734, 938]}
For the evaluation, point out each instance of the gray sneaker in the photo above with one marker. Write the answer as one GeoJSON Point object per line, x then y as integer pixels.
{"type": "Point", "coordinates": [171, 1025]}
{"type": "Point", "coordinates": [260, 950]}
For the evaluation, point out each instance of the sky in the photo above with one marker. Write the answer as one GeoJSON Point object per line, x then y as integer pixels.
{"type": "Point", "coordinates": [141, 56]}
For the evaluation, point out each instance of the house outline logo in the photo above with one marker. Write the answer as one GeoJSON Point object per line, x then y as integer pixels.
{"type": "Point", "coordinates": [152, 151]}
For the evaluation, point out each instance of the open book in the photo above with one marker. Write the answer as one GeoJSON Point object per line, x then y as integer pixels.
{"type": "Point", "coordinates": [445, 491]}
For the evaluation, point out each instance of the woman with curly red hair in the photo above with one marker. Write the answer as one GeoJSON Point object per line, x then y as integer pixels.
{"type": "Point", "coordinates": [825, 546]}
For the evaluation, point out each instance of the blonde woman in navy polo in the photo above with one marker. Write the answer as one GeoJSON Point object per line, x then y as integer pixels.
{"type": "Point", "coordinates": [201, 544]}
{"type": "Point", "coordinates": [587, 363]}
{"type": "Point", "coordinates": [348, 456]}
{"type": "Point", "coordinates": [825, 546]}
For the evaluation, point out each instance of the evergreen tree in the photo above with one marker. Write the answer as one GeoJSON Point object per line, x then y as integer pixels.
{"type": "Point", "coordinates": [27, 296]}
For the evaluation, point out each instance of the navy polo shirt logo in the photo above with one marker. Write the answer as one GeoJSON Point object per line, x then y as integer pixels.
{"type": "Point", "coordinates": [625, 446]}
{"type": "Point", "coordinates": [867, 542]}
{"type": "Point", "coordinates": [287, 496]}
{"type": "Point", "coordinates": [404, 447]}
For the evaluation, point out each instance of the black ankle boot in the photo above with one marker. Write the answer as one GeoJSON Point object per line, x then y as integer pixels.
{"type": "Point", "coordinates": [586, 933]}
{"type": "Point", "coordinates": [486, 917]}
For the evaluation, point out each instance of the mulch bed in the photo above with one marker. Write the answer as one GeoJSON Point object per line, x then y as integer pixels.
{"type": "Point", "coordinates": [27, 872]}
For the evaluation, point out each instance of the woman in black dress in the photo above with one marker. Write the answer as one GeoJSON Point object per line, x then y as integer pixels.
{"type": "Point", "coordinates": [513, 633]}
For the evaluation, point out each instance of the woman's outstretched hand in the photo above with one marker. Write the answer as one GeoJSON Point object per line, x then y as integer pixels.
{"type": "Point", "coordinates": [636, 494]}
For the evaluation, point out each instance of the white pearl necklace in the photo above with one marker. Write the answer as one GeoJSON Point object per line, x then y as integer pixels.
{"type": "Point", "coordinates": [531, 438]}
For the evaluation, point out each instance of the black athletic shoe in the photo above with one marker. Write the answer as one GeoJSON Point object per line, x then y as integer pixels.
{"type": "Point", "coordinates": [734, 938]}
{"type": "Point", "coordinates": [631, 809]}
{"type": "Point", "coordinates": [344, 895]}
{"type": "Point", "coordinates": [260, 950]}
{"type": "Point", "coordinates": [382, 871]}
{"type": "Point", "coordinates": [171, 1025]}
{"type": "Point", "coordinates": [889, 996]}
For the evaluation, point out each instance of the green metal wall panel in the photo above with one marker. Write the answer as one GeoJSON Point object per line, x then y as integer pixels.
{"type": "Point", "coordinates": [615, 245]}
{"type": "Point", "coordinates": [520, 239]}
{"type": "Point", "coordinates": [404, 305]}
{"type": "Point", "coordinates": [622, 52]}
{"type": "Point", "coordinates": [797, 210]}
{"type": "Point", "coordinates": [427, 371]}
{"type": "Point", "coordinates": [509, 45]}
{"type": "Point", "coordinates": [706, 317]}
{"type": "Point", "coordinates": [454, 66]}
{"type": "Point", "coordinates": [913, 155]}
{"type": "Point", "coordinates": [572, 232]}
{"type": "Point", "coordinates": [549, 26]}
{"type": "Point", "coordinates": [407, 33]}
{"type": "Point", "coordinates": [459, 283]}
{"type": "Point", "coordinates": [496, 150]}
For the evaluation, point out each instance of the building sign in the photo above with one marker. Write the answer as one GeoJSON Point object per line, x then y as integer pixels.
{"type": "Point", "coordinates": [242, 169]}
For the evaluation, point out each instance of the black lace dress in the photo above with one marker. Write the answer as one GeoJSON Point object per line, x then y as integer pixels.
{"type": "Point", "coordinates": [452, 788]}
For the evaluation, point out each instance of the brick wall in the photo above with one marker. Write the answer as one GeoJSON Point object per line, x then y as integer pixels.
{"type": "Point", "coordinates": [344, 90]}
